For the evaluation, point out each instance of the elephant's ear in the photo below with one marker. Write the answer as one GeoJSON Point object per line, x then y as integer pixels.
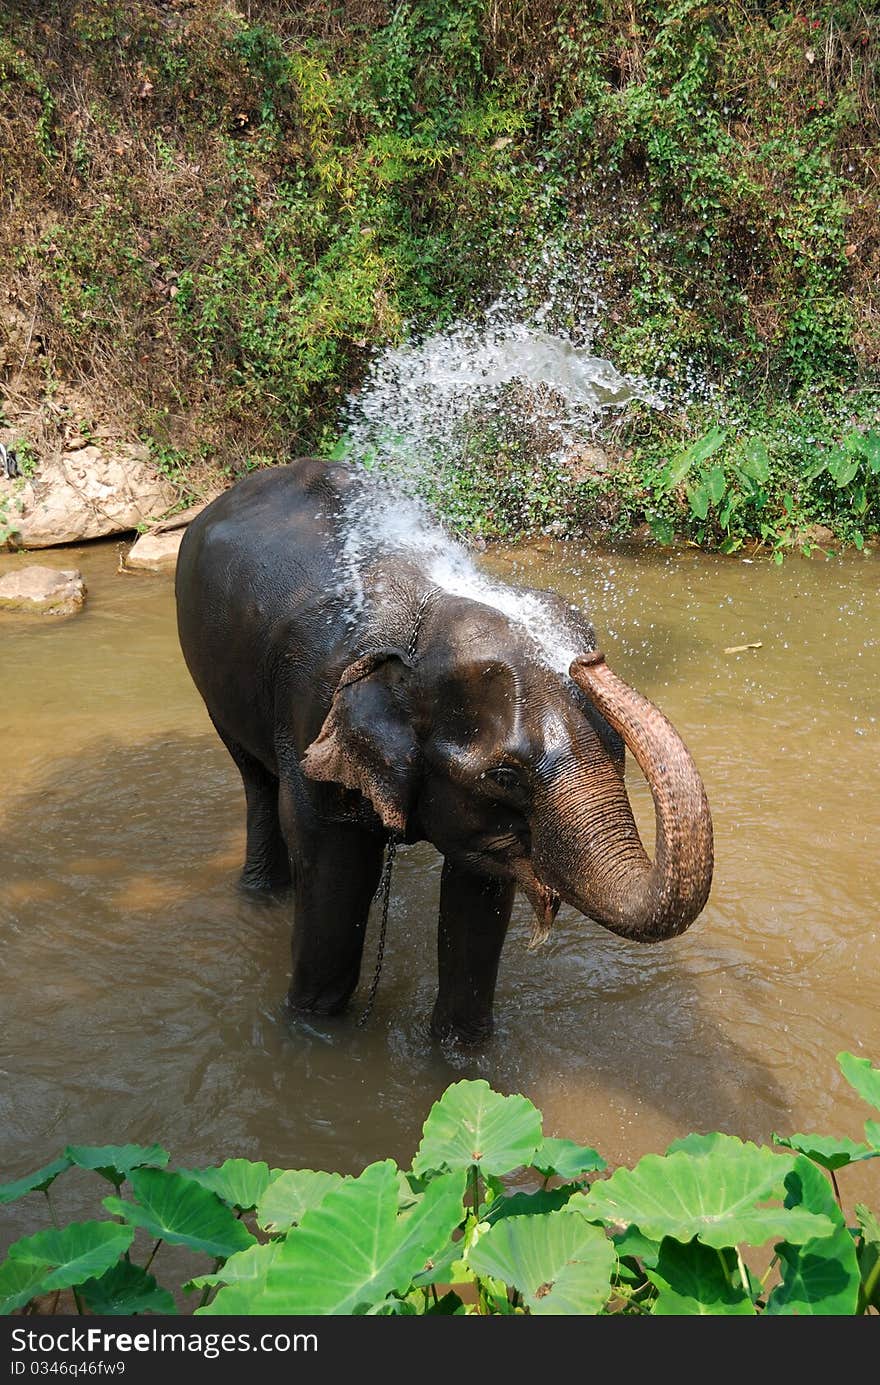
{"type": "Point", "coordinates": [367, 742]}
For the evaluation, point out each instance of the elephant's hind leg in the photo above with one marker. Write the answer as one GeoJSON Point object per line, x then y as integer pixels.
{"type": "Point", "coordinates": [267, 863]}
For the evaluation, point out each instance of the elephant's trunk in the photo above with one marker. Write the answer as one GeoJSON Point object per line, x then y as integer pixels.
{"type": "Point", "coordinates": [628, 893]}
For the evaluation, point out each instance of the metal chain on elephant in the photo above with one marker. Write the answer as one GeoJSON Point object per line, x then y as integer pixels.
{"type": "Point", "coordinates": [385, 891]}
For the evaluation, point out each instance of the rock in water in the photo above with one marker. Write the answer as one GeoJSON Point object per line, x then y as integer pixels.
{"type": "Point", "coordinates": [154, 552]}
{"type": "Point", "coordinates": [48, 591]}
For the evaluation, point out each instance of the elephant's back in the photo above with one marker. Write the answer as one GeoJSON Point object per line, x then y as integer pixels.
{"type": "Point", "coordinates": [254, 569]}
{"type": "Point", "coordinates": [267, 531]}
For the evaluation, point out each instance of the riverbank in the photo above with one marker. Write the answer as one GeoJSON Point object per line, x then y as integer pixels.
{"type": "Point", "coordinates": [213, 219]}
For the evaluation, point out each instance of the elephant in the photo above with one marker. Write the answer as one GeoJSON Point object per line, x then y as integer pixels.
{"type": "Point", "coordinates": [371, 684]}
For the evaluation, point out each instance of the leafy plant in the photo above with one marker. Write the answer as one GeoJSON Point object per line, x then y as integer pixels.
{"type": "Point", "coordinates": [449, 1236]}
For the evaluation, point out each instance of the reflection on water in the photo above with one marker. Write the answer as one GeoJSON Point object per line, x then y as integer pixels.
{"type": "Point", "coordinates": [141, 993]}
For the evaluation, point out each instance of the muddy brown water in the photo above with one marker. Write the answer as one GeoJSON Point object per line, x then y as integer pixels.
{"type": "Point", "coordinates": [141, 993]}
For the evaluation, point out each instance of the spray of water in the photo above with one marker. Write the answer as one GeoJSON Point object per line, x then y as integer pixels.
{"type": "Point", "coordinates": [425, 405]}
{"type": "Point", "coordinates": [524, 370]}
{"type": "Point", "coordinates": [383, 524]}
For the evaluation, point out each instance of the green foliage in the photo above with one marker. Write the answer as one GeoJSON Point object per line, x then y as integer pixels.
{"type": "Point", "coordinates": [226, 214]}
{"type": "Point", "coordinates": [450, 1237]}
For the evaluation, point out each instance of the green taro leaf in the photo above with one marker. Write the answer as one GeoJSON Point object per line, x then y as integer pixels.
{"type": "Point", "coordinates": [860, 1075]}
{"type": "Point", "coordinates": [633, 1245]}
{"type": "Point", "coordinates": [559, 1262]}
{"type": "Point", "coordinates": [717, 1197]}
{"type": "Point", "coordinates": [716, 483]}
{"type": "Point", "coordinates": [872, 1133]}
{"type": "Point", "coordinates": [662, 528]}
{"type": "Point", "coordinates": [76, 1252]}
{"type": "Point", "coordinates": [871, 450]}
{"type": "Point", "coordinates": [125, 1289]}
{"type": "Point", "coordinates": [472, 1124]}
{"type": "Point", "coordinates": [842, 466]}
{"type": "Point", "coordinates": [354, 1249]}
{"type": "Point", "coordinates": [698, 499]}
{"type": "Point", "coordinates": [20, 1281]}
{"type": "Point", "coordinates": [698, 1144]}
{"type": "Point", "coordinates": [115, 1162]}
{"type": "Point", "coordinates": [237, 1182]}
{"type": "Point", "coordinates": [530, 1204]}
{"type": "Point", "coordinates": [869, 1255]}
{"type": "Point", "coordinates": [809, 1188]}
{"type": "Point", "coordinates": [755, 461]}
{"type": "Point", "coordinates": [247, 1268]}
{"type": "Point", "coordinates": [695, 1280]}
{"type": "Point", "coordinates": [174, 1209]}
{"type": "Point", "coordinates": [567, 1159]}
{"type": "Point", "coordinates": [819, 1278]}
{"type": "Point", "coordinates": [700, 451]}
{"type": "Point", "coordinates": [826, 1151]}
{"type": "Point", "coordinates": [36, 1182]}
{"type": "Point", "coordinates": [290, 1196]}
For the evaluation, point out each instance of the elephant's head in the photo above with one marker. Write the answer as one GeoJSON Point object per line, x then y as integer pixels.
{"type": "Point", "coordinates": [515, 769]}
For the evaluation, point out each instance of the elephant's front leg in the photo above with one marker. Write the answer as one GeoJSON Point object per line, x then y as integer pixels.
{"type": "Point", "coordinates": [474, 914]}
{"type": "Point", "coordinates": [336, 872]}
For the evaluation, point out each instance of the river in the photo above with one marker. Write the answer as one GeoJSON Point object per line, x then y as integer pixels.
{"type": "Point", "coordinates": [142, 993]}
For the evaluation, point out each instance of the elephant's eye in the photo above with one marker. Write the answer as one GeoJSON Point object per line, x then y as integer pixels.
{"type": "Point", "coordinates": [505, 776]}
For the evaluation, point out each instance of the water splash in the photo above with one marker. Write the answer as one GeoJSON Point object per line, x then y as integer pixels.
{"type": "Point", "coordinates": [382, 524]}
{"type": "Point", "coordinates": [521, 378]}
{"type": "Point", "coordinates": [425, 407]}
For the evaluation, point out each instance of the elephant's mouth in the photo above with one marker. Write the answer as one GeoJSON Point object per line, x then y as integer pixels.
{"type": "Point", "coordinates": [543, 900]}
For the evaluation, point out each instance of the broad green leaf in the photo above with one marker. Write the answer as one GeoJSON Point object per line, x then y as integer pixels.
{"type": "Point", "coordinates": [827, 1151]}
{"type": "Point", "coordinates": [718, 1197]}
{"type": "Point", "coordinates": [115, 1162]}
{"type": "Point", "coordinates": [871, 450]}
{"type": "Point", "coordinates": [290, 1196]}
{"type": "Point", "coordinates": [869, 1256]}
{"type": "Point", "coordinates": [20, 1281]}
{"type": "Point", "coordinates": [247, 1267]}
{"type": "Point", "coordinates": [76, 1252]}
{"type": "Point", "coordinates": [700, 451]}
{"type": "Point", "coordinates": [125, 1289]}
{"type": "Point", "coordinates": [632, 1244]}
{"type": "Point", "coordinates": [819, 1278]}
{"type": "Point", "coordinates": [394, 1308]}
{"type": "Point", "coordinates": [860, 1075]}
{"type": "Point", "coordinates": [237, 1182]}
{"type": "Point", "coordinates": [817, 467]}
{"type": "Point", "coordinates": [662, 528]}
{"type": "Point", "coordinates": [872, 1133]}
{"type": "Point", "coordinates": [698, 1281]}
{"type": "Point", "coordinates": [698, 499]}
{"type": "Point", "coordinates": [353, 1250]}
{"type": "Point", "coordinates": [809, 1188]}
{"type": "Point", "coordinates": [567, 1159]}
{"type": "Point", "coordinates": [36, 1182]}
{"type": "Point", "coordinates": [530, 1204]}
{"type": "Point", "coordinates": [716, 483]}
{"type": "Point", "coordinates": [471, 1124]}
{"type": "Point", "coordinates": [842, 466]}
{"type": "Point", "coordinates": [699, 1144]}
{"type": "Point", "coordinates": [174, 1209]}
{"type": "Point", "coordinates": [560, 1263]}
{"type": "Point", "coordinates": [755, 462]}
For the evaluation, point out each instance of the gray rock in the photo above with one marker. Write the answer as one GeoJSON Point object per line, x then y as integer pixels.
{"type": "Point", "coordinates": [85, 493]}
{"type": "Point", "coordinates": [48, 591]}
